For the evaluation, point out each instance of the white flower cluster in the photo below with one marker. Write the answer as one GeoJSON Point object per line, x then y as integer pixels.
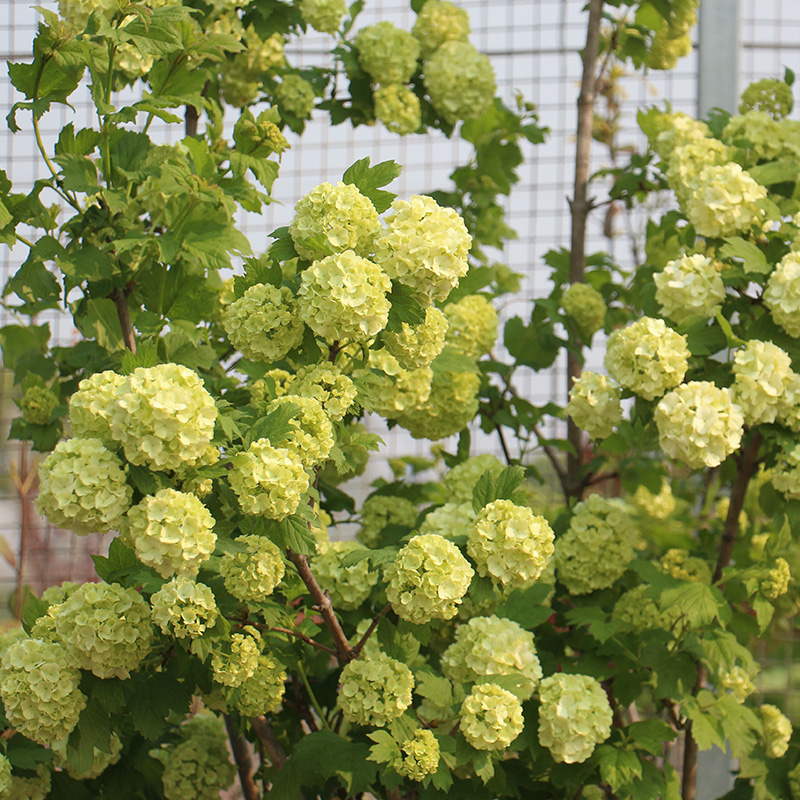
{"type": "Point", "coordinates": [585, 306]}
{"type": "Point", "coordinates": [782, 295]}
{"type": "Point", "coordinates": [491, 717]}
{"type": "Point", "coordinates": [786, 474]}
{"type": "Point", "coordinates": [595, 404]}
{"type": "Point", "coordinates": [101, 761]}
{"type": "Point", "coordinates": [262, 692]}
{"type": "Point", "coordinates": [387, 53]}
{"type": "Point", "coordinates": [452, 403]}
{"type": "Point", "coordinates": [182, 607]}
{"type": "Point", "coordinates": [382, 510]}
{"type": "Point", "coordinates": [420, 756]}
{"type": "Point", "coordinates": [295, 95]}
{"type": "Point", "coordinates": [689, 288]}
{"type": "Point", "coordinates": [417, 346]}
{"type": "Point", "coordinates": [685, 567]}
{"type": "Point", "coordinates": [688, 161]}
{"type": "Point", "coordinates": [233, 668]}
{"type": "Point", "coordinates": [763, 381]}
{"type": "Point", "coordinates": [252, 576]}
{"type": "Point", "coordinates": [454, 521]}
{"type": "Point", "coordinates": [328, 385]}
{"type": "Point", "coordinates": [471, 325]}
{"type": "Point", "coordinates": [460, 481]}
{"type": "Point", "coordinates": [312, 431]}
{"type": "Point", "coordinates": [324, 16]}
{"type": "Point", "coordinates": [398, 108]}
{"type": "Point", "coordinates": [375, 691]}
{"type": "Point", "coordinates": [440, 21]}
{"type": "Point", "coordinates": [397, 390]}
{"type": "Point", "coordinates": [348, 587]}
{"type": "Point", "coordinates": [777, 731]}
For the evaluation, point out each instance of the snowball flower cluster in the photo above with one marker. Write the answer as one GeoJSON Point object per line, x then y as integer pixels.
{"type": "Point", "coordinates": [725, 201]}
{"type": "Point", "coordinates": [5, 777]}
{"type": "Point", "coordinates": [688, 161]}
{"type": "Point", "coordinates": [678, 563]}
{"type": "Point", "coordinates": [312, 431]}
{"type": "Point", "coordinates": [757, 133]}
{"type": "Point", "coordinates": [595, 404]}
{"type": "Point", "coordinates": [263, 691]}
{"type": "Point", "coordinates": [699, 424]}
{"type": "Point", "coordinates": [241, 76]}
{"type": "Point", "coordinates": [375, 691]}
{"type": "Point", "coordinates": [424, 246]}
{"type": "Point", "coordinates": [387, 53]}
{"type": "Point", "coordinates": [491, 717]}
{"type": "Point", "coordinates": [509, 544]}
{"type": "Point", "coordinates": [461, 479]}
{"type": "Point", "coordinates": [420, 756]}
{"type": "Point", "coordinates": [782, 295]}
{"type": "Point", "coordinates": [776, 582]}
{"type": "Point", "coordinates": [39, 690]}
{"type": "Point", "coordinates": [440, 21]}
{"type": "Point", "coordinates": [36, 787]}
{"type": "Point", "coordinates": [641, 613]}
{"type": "Point", "coordinates": [397, 390]}
{"type": "Point", "coordinates": [777, 731]}
{"type": "Point", "coordinates": [598, 546]}
{"type": "Point", "coordinates": [689, 288]}
{"type": "Point", "coordinates": [295, 95]}
{"type": "Point", "coordinates": [348, 587]}
{"type": "Point", "coordinates": [454, 521]}
{"type": "Point", "coordinates": [183, 607]}
{"type": "Point", "coordinates": [105, 628]}
{"type": "Point", "coordinates": [263, 323]}
{"type": "Point", "coordinates": [101, 761]}
{"type": "Point", "coordinates": [657, 506]}
{"type": "Point", "coordinates": [398, 108]}
{"type": "Point", "coordinates": [252, 576]}
{"type": "Point", "coordinates": [786, 475]}
{"type": "Point", "coordinates": [585, 306]}
{"type": "Point", "coordinates": [91, 408]}
{"type": "Point", "coordinates": [331, 219]}
{"type": "Point", "coordinates": [488, 646]}
{"type": "Point", "coordinates": [647, 357]}
{"type": "Point", "coordinates": [678, 130]}
{"type": "Point", "coordinates": [324, 16]}
{"type": "Point", "coordinates": [418, 345]}
{"type": "Point", "coordinates": [382, 510]}
{"type": "Point", "coordinates": [574, 716]}
{"type": "Point", "coordinates": [343, 297]}
{"type": "Point", "coordinates": [172, 532]}
{"type": "Point", "coordinates": [460, 81]}
{"type": "Point", "coordinates": [326, 384]}
{"type": "Point", "coordinates": [241, 663]}
{"type": "Point", "coordinates": [471, 325]}
{"type": "Point", "coordinates": [37, 404]}
{"type": "Point", "coordinates": [770, 95]}
{"type": "Point", "coordinates": [763, 377]}
{"type": "Point", "coordinates": [268, 481]}
{"type": "Point", "coordinates": [428, 579]}
{"type": "Point", "coordinates": [82, 487]}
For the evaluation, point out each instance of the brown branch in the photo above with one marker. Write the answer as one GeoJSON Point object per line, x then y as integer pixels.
{"type": "Point", "coordinates": [553, 458]}
{"type": "Point", "coordinates": [580, 206]}
{"type": "Point", "coordinates": [269, 741]}
{"type": "Point", "coordinates": [503, 444]}
{"type": "Point", "coordinates": [301, 636]}
{"type": "Point", "coordinates": [323, 602]}
{"type": "Point", "coordinates": [748, 464]}
{"type": "Point", "coordinates": [374, 624]}
{"type": "Point", "coordinates": [120, 299]}
{"type": "Point", "coordinates": [244, 763]}
{"type": "Point", "coordinates": [690, 747]}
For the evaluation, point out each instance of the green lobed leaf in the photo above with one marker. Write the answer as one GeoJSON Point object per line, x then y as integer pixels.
{"type": "Point", "coordinates": [749, 253]}
{"type": "Point", "coordinates": [595, 619]}
{"type": "Point", "coordinates": [785, 169]}
{"type": "Point", "coordinates": [618, 767]}
{"type": "Point", "coordinates": [650, 735]}
{"type": "Point", "coordinates": [369, 180]}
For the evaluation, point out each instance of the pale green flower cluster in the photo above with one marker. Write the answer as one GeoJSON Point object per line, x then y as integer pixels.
{"type": "Point", "coordinates": [312, 431]}
{"type": "Point", "coordinates": [452, 404]}
{"type": "Point", "coordinates": [763, 377]}
{"type": "Point", "coordinates": [343, 297]}
{"type": "Point", "coordinates": [91, 407]}
{"type": "Point", "coordinates": [672, 41]}
{"type": "Point", "coordinates": [242, 76]}
{"type": "Point", "coordinates": [642, 613]}
{"type": "Point", "coordinates": [678, 563]}
{"type": "Point", "coordinates": [488, 646]}
{"type": "Point", "coordinates": [454, 521]}
{"type": "Point", "coordinates": [491, 717]}
{"type": "Point", "coordinates": [387, 53]}
{"type": "Point", "coordinates": [428, 579]}
{"type": "Point", "coordinates": [585, 306]}
{"type": "Point", "coordinates": [777, 731]}
{"type": "Point", "coordinates": [381, 510]}
{"type": "Point", "coordinates": [689, 288]}
{"type": "Point", "coordinates": [440, 21]}
{"type": "Point", "coordinates": [105, 628]}
{"type": "Point", "coordinates": [598, 546]}
{"type": "Point", "coordinates": [657, 506]}
{"type": "Point", "coordinates": [375, 691]}
{"type": "Point", "coordinates": [417, 346]}
{"type": "Point", "coordinates": [324, 16]}
{"type": "Point", "coordinates": [726, 201]}
{"type": "Point", "coordinates": [471, 325]}
{"type": "Point", "coordinates": [424, 246]}
{"type": "Point", "coordinates": [647, 357]}
{"type": "Point", "coordinates": [398, 389]}
{"type": "Point", "coordinates": [782, 295]}
{"type": "Point", "coordinates": [241, 663]}
{"type": "Point", "coordinates": [326, 384]}
{"type": "Point", "coordinates": [595, 404]}
{"type": "Point", "coordinates": [738, 682]}
{"type": "Point", "coordinates": [687, 162]}
{"type": "Point", "coordinates": [460, 81]}
{"type": "Point", "coordinates": [420, 756]}
{"type": "Point", "coordinates": [699, 424]}
{"type": "Point", "coordinates": [333, 218]}
{"type": "Point", "coordinates": [574, 716]}
{"type": "Point", "coordinates": [5, 777]}
{"type": "Point", "coordinates": [678, 130]}
{"type": "Point", "coordinates": [172, 532]}
{"type": "Point", "coordinates": [786, 474]}
{"type": "Point", "coordinates": [39, 690]}
{"type": "Point", "coordinates": [198, 766]}
{"type": "Point", "coordinates": [348, 587]}
{"type": "Point", "coordinates": [509, 544]}
{"type": "Point", "coordinates": [183, 607]}
{"type": "Point", "coordinates": [82, 487]}
{"type": "Point", "coordinates": [758, 133]}
{"type": "Point", "coordinates": [770, 95]}
{"type": "Point", "coordinates": [268, 481]}
{"type": "Point", "coordinates": [295, 95]}
{"type": "Point", "coordinates": [252, 576]}
{"type": "Point", "coordinates": [776, 582]}
{"type": "Point", "coordinates": [398, 108]}
{"type": "Point", "coordinates": [77, 12]}
{"type": "Point", "coordinates": [263, 691]}
{"type": "Point", "coordinates": [101, 760]}
{"type": "Point", "coordinates": [263, 323]}
{"type": "Point", "coordinates": [35, 788]}
{"type": "Point", "coordinates": [37, 404]}
{"type": "Point", "coordinates": [461, 479]}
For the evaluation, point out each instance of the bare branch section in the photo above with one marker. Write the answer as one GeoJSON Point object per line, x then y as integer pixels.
{"type": "Point", "coordinates": [269, 741]}
{"type": "Point", "coordinates": [120, 299]}
{"type": "Point", "coordinates": [580, 206]}
{"type": "Point", "coordinates": [244, 762]}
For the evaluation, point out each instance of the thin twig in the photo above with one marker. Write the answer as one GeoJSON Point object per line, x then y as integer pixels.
{"type": "Point", "coordinates": [503, 444]}
{"type": "Point", "coordinates": [553, 457]}
{"type": "Point", "coordinates": [244, 763]}
{"type": "Point", "coordinates": [298, 635]}
{"type": "Point", "coordinates": [374, 624]}
{"type": "Point", "coordinates": [120, 299]}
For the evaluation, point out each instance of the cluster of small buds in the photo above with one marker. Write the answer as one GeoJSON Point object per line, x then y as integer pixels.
{"type": "Point", "coordinates": [37, 404]}
{"type": "Point", "coordinates": [471, 325]}
{"type": "Point", "coordinates": [172, 532]}
{"type": "Point", "coordinates": [699, 424]}
{"type": "Point", "coordinates": [183, 607]}
{"type": "Point", "coordinates": [585, 306]}
{"type": "Point", "coordinates": [689, 288]}
{"type": "Point", "coordinates": [598, 546]}
{"type": "Point", "coordinates": [350, 586]}
{"type": "Point", "coordinates": [427, 579]}
{"type": "Point", "coordinates": [382, 510]}
{"type": "Point", "coordinates": [491, 717]}
{"type": "Point", "coordinates": [763, 378]}
{"type": "Point", "coordinates": [574, 716]}
{"type": "Point", "coordinates": [739, 683]}
{"type": "Point", "coordinates": [769, 95]}
{"type": "Point", "coordinates": [295, 95]}
{"type": "Point", "coordinates": [782, 295]}
{"type": "Point", "coordinates": [509, 544]}
{"type": "Point", "coordinates": [641, 613]}
{"type": "Point", "coordinates": [595, 404]}
{"type": "Point", "coordinates": [420, 756]}
{"type": "Point", "coordinates": [489, 646]}
{"type": "Point", "coordinates": [647, 357]}
{"type": "Point", "coordinates": [375, 691]}
{"type": "Point", "coordinates": [776, 582]}
{"type": "Point", "coordinates": [105, 628]}
{"type": "Point", "coordinates": [777, 731]}
{"type": "Point", "coordinates": [417, 346]}
{"type": "Point", "coordinates": [460, 481]}
{"type": "Point", "coordinates": [252, 575]}
{"type": "Point", "coordinates": [681, 565]}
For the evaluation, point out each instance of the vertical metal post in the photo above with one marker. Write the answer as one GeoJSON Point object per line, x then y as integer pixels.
{"type": "Point", "coordinates": [719, 44]}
